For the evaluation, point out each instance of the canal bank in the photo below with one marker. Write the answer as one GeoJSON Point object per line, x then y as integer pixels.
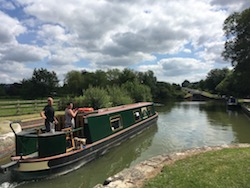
{"type": "Point", "coordinates": [246, 110]}
{"type": "Point", "coordinates": [136, 176]}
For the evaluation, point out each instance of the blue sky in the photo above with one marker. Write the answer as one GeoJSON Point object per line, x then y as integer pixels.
{"type": "Point", "coordinates": [177, 39]}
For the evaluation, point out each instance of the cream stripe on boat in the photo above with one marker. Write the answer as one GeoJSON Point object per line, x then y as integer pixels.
{"type": "Point", "coordinates": [43, 165]}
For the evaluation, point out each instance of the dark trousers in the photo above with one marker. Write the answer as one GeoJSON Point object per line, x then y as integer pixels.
{"type": "Point", "coordinates": [48, 125]}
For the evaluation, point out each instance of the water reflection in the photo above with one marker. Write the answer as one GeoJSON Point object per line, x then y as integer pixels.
{"type": "Point", "coordinates": [196, 124]}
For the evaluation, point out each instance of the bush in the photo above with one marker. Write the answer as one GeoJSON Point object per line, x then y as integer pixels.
{"type": "Point", "coordinates": [96, 98]}
{"type": "Point", "coordinates": [138, 92]}
{"type": "Point", "coordinates": [119, 96]}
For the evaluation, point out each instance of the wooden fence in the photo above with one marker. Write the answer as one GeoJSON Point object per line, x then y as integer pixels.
{"type": "Point", "coordinates": [21, 107]}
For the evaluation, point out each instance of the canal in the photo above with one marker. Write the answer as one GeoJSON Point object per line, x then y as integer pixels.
{"type": "Point", "coordinates": [181, 125]}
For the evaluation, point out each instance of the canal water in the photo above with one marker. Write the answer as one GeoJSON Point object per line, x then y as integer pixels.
{"type": "Point", "coordinates": [181, 125]}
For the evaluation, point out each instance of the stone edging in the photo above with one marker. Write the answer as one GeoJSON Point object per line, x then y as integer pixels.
{"type": "Point", "coordinates": [135, 176]}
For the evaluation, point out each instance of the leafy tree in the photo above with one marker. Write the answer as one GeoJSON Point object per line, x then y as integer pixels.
{"type": "Point", "coordinates": [113, 76]}
{"type": "Point", "coordinates": [127, 75]}
{"type": "Point", "coordinates": [228, 85]}
{"type": "Point", "coordinates": [2, 90]}
{"type": "Point", "coordinates": [237, 48]}
{"type": "Point", "coordinates": [214, 77]}
{"type": "Point", "coordinates": [42, 84]}
{"type": "Point", "coordinates": [164, 92]}
{"type": "Point", "coordinates": [13, 89]}
{"type": "Point", "coordinates": [99, 79]}
{"type": "Point", "coordinates": [138, 92]}
{"type": "Point", "coordinates": [148, 78]}
{"type": "Point", "coordinates": [73, 83]}
{"type": "Point", "coordinates": [185, 83]}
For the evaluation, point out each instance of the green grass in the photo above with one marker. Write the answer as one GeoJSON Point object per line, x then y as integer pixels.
{"type": "Point", "coordinates": [26, 116]}
{"type": "Point", "coordinates": [21, 107]}
{"type": "Point", "coordinates": [224, 168]}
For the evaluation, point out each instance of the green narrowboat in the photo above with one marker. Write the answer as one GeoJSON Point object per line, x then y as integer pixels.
{"type": "Point", "coordinates": [41, 154]}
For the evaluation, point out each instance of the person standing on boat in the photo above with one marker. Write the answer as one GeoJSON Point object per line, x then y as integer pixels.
{"type": "Point", "coordinates": [70, 114]}
{"type": "Point", "coordinates": [48, 114]}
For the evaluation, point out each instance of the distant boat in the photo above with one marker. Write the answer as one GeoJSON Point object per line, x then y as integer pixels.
{"type": "Point", "coordinates": [232, 103]}
{"type": "Point", "coordinates": [41, 155]}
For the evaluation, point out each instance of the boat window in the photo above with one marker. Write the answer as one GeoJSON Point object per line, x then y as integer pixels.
{"type": "Point", "coordinates": [149, 108]}
{"type": "Point", "coordinates": [144, 112]}
{"type": "Point", "coordinates": [116, 123]}
{"type": "Point", "coordinates": [137, 115]}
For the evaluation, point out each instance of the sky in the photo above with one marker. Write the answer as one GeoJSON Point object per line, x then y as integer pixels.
{"type": "Point", "coordinates": [177, 39]}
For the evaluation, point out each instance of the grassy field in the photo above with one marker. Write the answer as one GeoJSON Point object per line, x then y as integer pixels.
{"type": "Point", "coordinates": [20, 107]}
{"type": "Point", "coordinates": [26, 116]}
{"type": "Point", "coordinates": [224, 168]}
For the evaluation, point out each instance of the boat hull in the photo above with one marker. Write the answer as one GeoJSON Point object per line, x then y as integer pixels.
{"type": "Point", "coordinates": [54, 166]}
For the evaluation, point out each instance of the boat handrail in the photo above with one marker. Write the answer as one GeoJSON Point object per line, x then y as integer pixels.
{"type": "Point", "coordinates": [75, 130]}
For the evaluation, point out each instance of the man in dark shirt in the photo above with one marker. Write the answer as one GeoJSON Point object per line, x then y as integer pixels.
{"type": "Point", "coordinates": [48, 114]}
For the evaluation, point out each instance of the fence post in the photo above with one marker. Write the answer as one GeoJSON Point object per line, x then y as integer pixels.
{"type": "Point", "coordinates": [58, 104]}
{"type": "Point", "coordinates": [17, 107]}
{"type": "Point", "coordinates": [35, 105]}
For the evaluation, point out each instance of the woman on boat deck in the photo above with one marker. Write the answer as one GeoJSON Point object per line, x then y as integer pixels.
{"type": "Point", "coordinates": [69, 116]}
{"type": "Point", "coordinates": [48, 114]}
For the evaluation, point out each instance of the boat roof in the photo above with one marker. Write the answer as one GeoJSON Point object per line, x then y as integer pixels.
{"type": "Point", "coordinates": [119, 108]}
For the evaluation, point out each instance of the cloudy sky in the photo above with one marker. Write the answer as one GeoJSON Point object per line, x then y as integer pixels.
{"type": "Point", "coordinates": [177, 39]}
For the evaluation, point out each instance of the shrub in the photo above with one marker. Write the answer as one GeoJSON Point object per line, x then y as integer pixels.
{"type": "Point", "coordinates": [97, 98]}
{"type": "Point", "coordinates": [118, 96]}
{"type": "Point", "coordinates": [138, 92]}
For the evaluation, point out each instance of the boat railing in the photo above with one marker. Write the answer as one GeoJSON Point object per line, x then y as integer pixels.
{"type": "Point", "coordinates": [73, 141]}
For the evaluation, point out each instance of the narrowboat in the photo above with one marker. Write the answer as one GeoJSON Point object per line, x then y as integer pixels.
{"type": "Point", "coordinates": [41, 154]}
{"type": "Point", "coordinates": [232, 103]}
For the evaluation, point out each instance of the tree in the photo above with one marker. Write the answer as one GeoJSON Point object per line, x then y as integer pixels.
{"type": "Point", "coordinates": [138, 92]}
{"type": "Point", "coordinates": [42, 84]}
{"type": "Point", "coordinates": [73, 82]}
{"type": "Point", "coordinates": [148, 78]}
{"type": "Point", "coordinates": [237, 48]}
{"type": "Point", "coordinates": [2, 90]}
{"type": "Point", "coordinates": [228, 85]}
{"type": "Point", "coordinates": [100, 79]}
{"type": "Point", "coordinates": [127, 75]}
{"type": "Point", "coordinates": [163, 92]}
{"type": "Point", "coordinates": [113, 76]}
{"type": "Point", "coordinates": [13, 89]}
{"type": "Point", "coordinates": [214, 77]}
{"type": "Point", "coordinates": [186, 83]}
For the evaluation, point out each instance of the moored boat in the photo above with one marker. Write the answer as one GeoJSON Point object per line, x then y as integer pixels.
{"type": "Point", "coordinates": [41, 155]}
{"type": "Point", "coordinates": [232, 103]}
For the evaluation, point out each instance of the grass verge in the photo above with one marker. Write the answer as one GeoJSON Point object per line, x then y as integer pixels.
{"type": "Point", "coordinates": [26, 117]}
{"type": "Point", "coordinates": [222, 168]}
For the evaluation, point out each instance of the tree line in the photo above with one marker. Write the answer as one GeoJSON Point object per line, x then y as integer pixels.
{"type": "Point", "coordinates": [97, 89]}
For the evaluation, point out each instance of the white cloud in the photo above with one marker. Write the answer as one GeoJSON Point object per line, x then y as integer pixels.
{"type": "Point", "coordinates": [13, 72]}
{"type": "Point", "coordinates": [114, 34]}
{"type": "Point", "coordinates": [175, 70]}
{"type": "Point", "coordinates": [22, 53]}
{"type": "Point", "coordinates": [10, 28]}
{"type": "Point", "coordinates": [231, 5]}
